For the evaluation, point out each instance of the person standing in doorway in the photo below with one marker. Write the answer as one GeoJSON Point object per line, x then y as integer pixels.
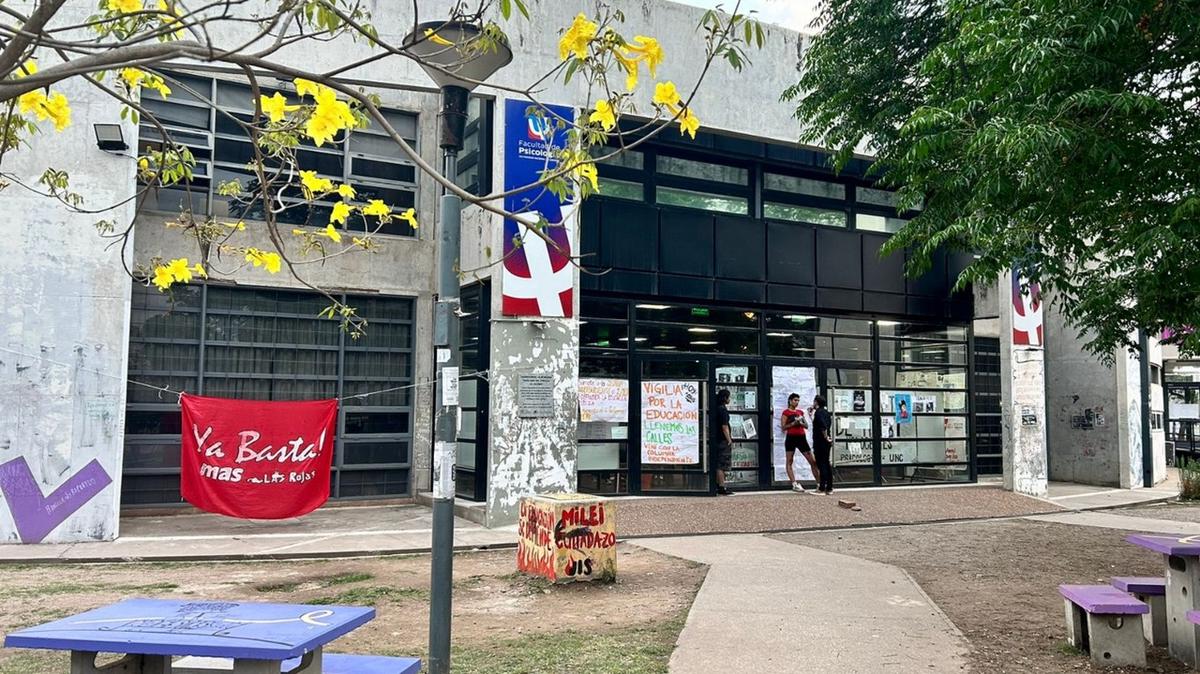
{"type": "Point", "coordinates": [722, 439]}
{"type": "Point", "coordinates": [794, 423]}
{"type": "Point", "coordinates": [822, 429]}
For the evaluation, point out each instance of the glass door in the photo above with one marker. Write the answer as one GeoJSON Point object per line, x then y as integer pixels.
{"type": "Point", "coordinates": [745, 423]}
{"type": "Point", "coordinates": [672, 402]}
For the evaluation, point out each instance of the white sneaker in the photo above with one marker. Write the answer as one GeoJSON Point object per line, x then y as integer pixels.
{"type": "Point", "coordinates": [798, 488]}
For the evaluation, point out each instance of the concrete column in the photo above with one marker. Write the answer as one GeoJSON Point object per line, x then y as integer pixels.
{"type": "Point", "coordinates": [1023, 394]}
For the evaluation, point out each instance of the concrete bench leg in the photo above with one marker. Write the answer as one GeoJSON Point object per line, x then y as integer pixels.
{"type": "Point", "coordinates": [1076, 626]}
{"type": "Point", "coordinates": [1154, 625]}
{"type": "Point", "coordinates": [1183, 578]}
{"type": "Point", "coordinates": [1116, 640]}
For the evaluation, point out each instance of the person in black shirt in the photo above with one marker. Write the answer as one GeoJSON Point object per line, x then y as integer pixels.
{"type": "Point", "coordinates": [721, 439]}
{"type": "Point", "coordinates": [822, 426]}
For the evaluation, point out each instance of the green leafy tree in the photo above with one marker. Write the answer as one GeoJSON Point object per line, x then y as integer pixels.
{"type": "Point", "coordinates": [1058, 137]}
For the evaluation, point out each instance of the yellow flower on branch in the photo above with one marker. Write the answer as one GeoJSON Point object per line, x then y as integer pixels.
{"type": "Point", "coordinates": [332, 233]}
{"type": "Point", "coordinates": [175, 271]}
{"type": "Point", "coordinates": [647, 49]}
{"type": "Point", "coordinates": [376, 207]}
{"type": "Point", "coordinates": [409, 216]}
{"type": "Point", "coordinates": [125, 6]}
{"type": "Point", "coordinates": [688, 123]}
{"type": "Point", "coordinates": [665, 94]}
{"type": "Point", "coordinates": [239, 225]}
{"type": "Point", "coordinates": [275, 107]}
{"type": "Point", "coordinates": [32, 102]}
{"type": "Point", "coordinates": [577, 38]}
{"type": "Point", "coordinates": [306, 87]}
{"type": "Point", "coordinates": [162, 278]}
{"type": "Point", "coordinates": [603, 115]}
{"type": "Point", "coordinates": [328, 118]}
{"type": "Point", "coordinates": [261, 258]}
{"type": "Point", "coordinates": [587, 172]}
{"type": "Point", "coordinates": [29, 68]}
{"type": "Point", "coordinates": [133, 77]}
{"type": "Point", "coordinates": [341, 211]}
{"type": "Point", "coordinates": [345, 191]}
{"type": "Point", "coordinates": [313, 184]}
{"type": "Point", "coordinates": [437, 39]}
{"type": "Point", "coordinates": [630, 66]}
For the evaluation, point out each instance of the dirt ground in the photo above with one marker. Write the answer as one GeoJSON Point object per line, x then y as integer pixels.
{"type": "Point", "coordinates": [998, 582]}
{"type": "Point", "coordinates": [501, 619]}
{"type": "Point", "coordinates": [1174, 510]}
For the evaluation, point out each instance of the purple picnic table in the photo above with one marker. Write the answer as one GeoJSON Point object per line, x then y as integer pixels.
{"type": "Point", "coordinates": [257, 637]}
{"type": "Point", "coordinates": [1181, 554]}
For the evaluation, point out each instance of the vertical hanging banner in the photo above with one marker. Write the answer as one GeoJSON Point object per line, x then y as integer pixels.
{"type": "Point", "coordinates": [252, 459]}
{"type": "Point", "coordinates": [1027, 312]}
{"type": "Point", "coordinates": [538, 279]}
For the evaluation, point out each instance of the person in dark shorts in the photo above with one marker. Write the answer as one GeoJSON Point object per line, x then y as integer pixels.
{"type": "Point", "coordinates": [722, 440]}
{"type": "Point", "coordinates": [795, 439]}
{"type": "Point", "coordinates": [822, 429]}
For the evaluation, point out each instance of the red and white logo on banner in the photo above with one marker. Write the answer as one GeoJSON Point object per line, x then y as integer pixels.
{"type": "Point", "coordinates": [254, 459]}
{"type": "Point", "coordinates": [539, 279]}
{"type": "Point", "coordinates": [1026, 312]}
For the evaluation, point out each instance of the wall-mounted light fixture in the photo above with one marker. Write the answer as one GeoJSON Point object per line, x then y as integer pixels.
{"type": "Point", "coordinates": [109, 137]}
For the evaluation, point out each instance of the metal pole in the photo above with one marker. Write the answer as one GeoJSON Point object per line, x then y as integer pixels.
{"type": "Point", "coordinates": [1144, 389]}
{"type": "Point", "coordinates": [445, 339]}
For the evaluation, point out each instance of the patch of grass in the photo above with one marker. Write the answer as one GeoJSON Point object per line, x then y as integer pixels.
{"type": "Point", "coordinates": [25, 662]}
{"type": "Point", "coordinates": [81, 588]}
{"type": "Point", "coordinates": [372, 595]}
{"type": "Point", "coordinates": [286, 586]}
{"type": "Point", "coordinates": [327, 581]}
{"type": "Point", "coordinates": [1067, 649]}
{"type": "Point", "coordinates": [346, 579]}
{"type": "Point", "coordinates": [636, 650]}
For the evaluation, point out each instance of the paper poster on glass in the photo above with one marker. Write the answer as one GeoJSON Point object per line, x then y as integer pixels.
{"type": "Point", "coordinates": [733, 374]}
{"type": "Point", "coordinates": [603, 400]}
{"type": "Point", "coordinates": [902, 404]}
{"type": "Point", "coordinates": [924, 404]}
{"type": "Point", "coordinates": [852, 454]}
{"type": "Point", "coordinates": [784, 382]}
{"type": "Point", "coordinates": [671, 422]}
{"type": "Point", "coordinates": [860, 401]}
{"type": "Point", "coordinates": [745, 455]}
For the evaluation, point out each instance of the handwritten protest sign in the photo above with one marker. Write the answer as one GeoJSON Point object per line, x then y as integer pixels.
{"type": "Point", "coordinates": [603, 400]}
{"type": "Point", "coordinates": [671, 422]}
{"type": "Point", "coordinates": [256, 460]}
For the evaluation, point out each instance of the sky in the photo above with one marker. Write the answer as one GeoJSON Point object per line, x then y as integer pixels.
{"type": "Point", "coordinates": [794, 14]}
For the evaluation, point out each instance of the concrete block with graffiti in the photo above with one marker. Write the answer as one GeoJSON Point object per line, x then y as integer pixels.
{"type": "Point", "coordinates": [567, 537]}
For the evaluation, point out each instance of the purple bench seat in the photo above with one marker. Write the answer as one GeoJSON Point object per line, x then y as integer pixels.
{"type": "Point", "coordinates": [1148, 585]}
{"type": "Point", "coordinates": [342, 663]}
{"type": "Point", "coordinates": [1103, 600]}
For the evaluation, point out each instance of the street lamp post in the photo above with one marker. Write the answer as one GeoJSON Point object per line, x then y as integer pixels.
{"type": "Point", "coordinates": [449, 52]}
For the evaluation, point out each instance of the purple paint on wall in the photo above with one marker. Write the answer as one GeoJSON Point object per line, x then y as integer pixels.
{"type": "Point", "coordinates": [35, 514]}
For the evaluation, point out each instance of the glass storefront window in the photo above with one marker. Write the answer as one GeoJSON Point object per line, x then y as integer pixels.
{"type": "Point", "coordinates": [621, 189]}
{"type": "Point", "coordinates": [954, 333]}
{"type": "Point", "coordinates": [795, 185]}
{"type": "Point", "coordinates": [933, 353]}
{"type": "Point", "coordinates": [928, 402]}
{"type": "Point", "coordinates": [793, 321]}
{"type": "Point", "coordinates": [878, 223]}
{"type": "Point", "coordinates": [715, 318]}
{"type": "Point", "coordinates": [814, 216]}
{"type": "Point", "coordinates": [603, 335]}
{"type": "Point", "coordinates": [842, 377]}
{"type": "Point", "coordinates": [699, 170]}
{"type": "Point", "coordinates": [631, 159]}
{"type": "Point", "coordinates": [682, 338]}
{"type": "Point", "coordinates": [915, 376]}
{"type": "Point", "coordinates": [673, 196]}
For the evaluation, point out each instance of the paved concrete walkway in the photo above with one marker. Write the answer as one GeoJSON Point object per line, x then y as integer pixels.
{"type": "Point", "coordinates": [1088, 497]}
{"type": "Point", "coordinates": [1106, 520]}
{"type": "Point", "coordinates": [770, 606]}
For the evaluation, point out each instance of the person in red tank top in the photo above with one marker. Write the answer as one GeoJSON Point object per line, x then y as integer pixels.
{"type": "Point", "coordinates": [793, 423]}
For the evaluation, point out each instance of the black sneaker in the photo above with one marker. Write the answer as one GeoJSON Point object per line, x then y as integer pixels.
{"type": "Point", "coordinates": [724, 491]}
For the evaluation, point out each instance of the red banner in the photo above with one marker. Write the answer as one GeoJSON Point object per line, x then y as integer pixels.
{"type": "Point", "coordinates": [257, 460]}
